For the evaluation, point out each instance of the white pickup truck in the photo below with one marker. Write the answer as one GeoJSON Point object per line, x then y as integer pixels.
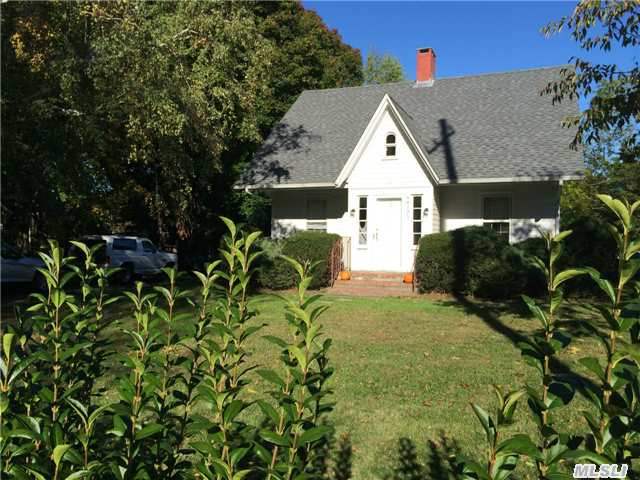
{"type": "Point", "coordinates": [134, 255]}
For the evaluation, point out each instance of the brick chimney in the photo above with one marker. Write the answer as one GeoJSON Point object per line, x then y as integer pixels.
{"type": "Point", "coordinates": [425, 66]}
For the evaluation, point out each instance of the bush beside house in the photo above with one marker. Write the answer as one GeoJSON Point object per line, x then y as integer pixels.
{"type": "Point", "coordinates": [476, 261]}
{"type": "Point", "coordinates": [276, 274]}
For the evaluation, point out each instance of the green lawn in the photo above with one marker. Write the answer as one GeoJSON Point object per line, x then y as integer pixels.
{"type": "Point", "coordinates": [410, 367]}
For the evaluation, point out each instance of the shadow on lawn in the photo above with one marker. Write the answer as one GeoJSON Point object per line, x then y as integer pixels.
{"type": "Point", "coordinates": [492, 319]}
{"type": "Point", "coordinates": [440, 462]}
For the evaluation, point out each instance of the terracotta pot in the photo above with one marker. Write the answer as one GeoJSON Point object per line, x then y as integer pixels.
{"type": "Point", "coordinates": [344, 275]}
{"type": "Point", "coordinates": [407, 278]}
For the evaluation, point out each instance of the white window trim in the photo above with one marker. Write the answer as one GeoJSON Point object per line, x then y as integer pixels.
{"type": "Point", "coordinates": [411, 209]}
{"type": "Point", "coordinates": [387, 145]}
{"type": "Point", "coordinates": [509, 220]}
{"type": "Point", "coordinates": [361, 246]}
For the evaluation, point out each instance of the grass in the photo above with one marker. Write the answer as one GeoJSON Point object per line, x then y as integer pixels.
{"type": "Point", "coordinates": [408, 368]}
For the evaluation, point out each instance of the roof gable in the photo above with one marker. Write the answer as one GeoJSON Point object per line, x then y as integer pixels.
{"type": "Point", "coordinates": [479, 128]}
{"type": "Point", "coordinates": [400, 118]}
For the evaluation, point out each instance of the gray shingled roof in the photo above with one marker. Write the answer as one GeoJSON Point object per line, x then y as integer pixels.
{"type": "Point", "coordinates": [484, 126]}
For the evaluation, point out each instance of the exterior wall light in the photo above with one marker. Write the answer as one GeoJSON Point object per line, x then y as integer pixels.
{"type": "Point", "coordinates": [425, 212]}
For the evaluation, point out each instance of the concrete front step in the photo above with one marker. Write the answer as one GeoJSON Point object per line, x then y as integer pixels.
{"type": "Point", "coordinates": [378, 282]}
{"type": "Point", "coordinates": [376, 275]}
{"type": "Point", "coordinates": [371, 291]}
{"type": "Point", "coordinates": [373, 284]}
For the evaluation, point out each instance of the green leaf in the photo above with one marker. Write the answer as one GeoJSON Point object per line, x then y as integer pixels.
{"type": "Point", "coordinates": [565, 275]}
{"type": "Point", "coordinates": [59, 452]}
{"type": "Point", "coordinates": [604, 284]}
{"type": "Point", "coordinates": [7, 343]}
{"type": "Point", "coordinates": [629, 270]}
{"type": "Point", "coordinates": [276, 341]}
{"type": "Point", "coordinates": [561, 236]}
{"type": "Point", "coordinates": [485, 421]}
{"type": "Point", "coordinates": [299, 355]}
{"type": "Point", "coordinates": [148, 431]}
{"type": "Point", "coordinates": [274, 438]}
{"type": "Point", "coordinates": [269, 411]}
{"type": "Point", "coordinates": [230, 225]}
{"type": "Point", "coordinates": [519, 444]}
{"type": "Point", "coordinates": [585, 455]}
{"type": "Point", "coordinates": [536, 311]}
{"type": "Point", "coordinates": [593, 364]}
{"type": "Point", "coordinates": [632, 249]}
{"type": "Point", "coordinates": [617, 207]}
{"type": "Point", "coordinates": [295, 264]}
{"type": "Point", "coordinates": [313, 434]}
{"type": "Point", "coordinates": [232, 410]}
{"type": "Point", "coordinates": [78, 474]}
{"type": "Point", "coordinates": [271, 376]}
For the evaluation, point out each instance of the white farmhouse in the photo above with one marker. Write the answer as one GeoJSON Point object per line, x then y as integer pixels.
{"type": "Point", "coordinates": [383, 165]}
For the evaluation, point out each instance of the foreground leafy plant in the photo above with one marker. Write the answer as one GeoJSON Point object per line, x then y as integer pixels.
{"type": "Point", "coordinates": [614, 431]}
{"type": "Point", "coordinates": [539, 351]}
{"type": "Point", "coordinates": [225, 355]}
{"type": "Point", "coordinates": [293, 430]}
{"type": "Point", "coordinates": [502, 455]}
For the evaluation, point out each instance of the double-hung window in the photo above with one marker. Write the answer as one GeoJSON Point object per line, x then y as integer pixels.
{"type": "Point", "coordinates": [390, 146]}
{"type": "Point", "coordinates": [416, 211]}
{"type": "Point", "coordinates": [317, 215]}
{"type": "Point", "coordinates": [497, 215]}
{"type": "Point", "coordinates": [362, 221]}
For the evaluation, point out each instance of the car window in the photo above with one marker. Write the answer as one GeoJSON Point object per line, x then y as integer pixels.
{"type": "Point", "coordinates": [147, 246]}
{"type": "Point", "coordinates": [124, 244]}
{"type": "Point", "coordinates": [9, 251]}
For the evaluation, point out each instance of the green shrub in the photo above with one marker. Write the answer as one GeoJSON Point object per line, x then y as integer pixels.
{"type": "Point", "coordinates": [474, 261]}
{"type": "Point", "coordinates": [275, 273]}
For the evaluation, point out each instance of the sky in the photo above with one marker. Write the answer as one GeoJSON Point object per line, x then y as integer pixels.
{"type": "Point", "coordinates": [468, 37]}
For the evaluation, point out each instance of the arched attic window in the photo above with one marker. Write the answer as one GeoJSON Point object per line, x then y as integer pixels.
{"type": "Point", "coordinates": [390, 145]}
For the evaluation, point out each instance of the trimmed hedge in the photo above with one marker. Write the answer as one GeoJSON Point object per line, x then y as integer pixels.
{"type": "Point", "coordinates": [475, 261]}
{"type": "Point", "coordinates": [276, 274]}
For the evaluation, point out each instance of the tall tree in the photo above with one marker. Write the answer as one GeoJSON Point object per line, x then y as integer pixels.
{"type": "Point", "coordinates": [138, 115]}
{"type": "Point", "coordinates": [308, 55]}
{"type": "Point", "coordinates": [380, 69]}
{"type": "Point", "coordinates": [614, 90]}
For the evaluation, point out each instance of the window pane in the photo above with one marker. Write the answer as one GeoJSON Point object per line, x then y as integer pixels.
{"type": "Point", "coordinates": [417, 227]}
{"type": "Point", "coordinates": [416, 214]}
{"type": "Point", "coordinates": [317, 225]}
{"type": "Point", "coordinates": [391, 151]}
{"type": "Point", "coordinates": [417, 201]}
{"type": "Point", "coordinates": [496, 208]}
{"type": "Point", "coordinates": [416, 238]}
{"type": "Point", "coordinates": [362, 221]}
{"type": "Point", "coordinates": [391, 139]}
{"type": "Point", "coordinates": [124, 244]}
{"type": "Point", "coordinates": [317, 209]}
{"type": "Point", "coordinates": [501, 228]}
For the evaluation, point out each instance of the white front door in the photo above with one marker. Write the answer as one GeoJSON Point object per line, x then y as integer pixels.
{"type": "Point", "coordinates": [387, 234]}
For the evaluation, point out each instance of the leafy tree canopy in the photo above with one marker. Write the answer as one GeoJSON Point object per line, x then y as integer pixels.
{"type": "Point", "coordinates": [380, 69]}
{"type": "Point", "coordinates": [614, 90]}
{"type": "Point", "coordinates": [139, 115]}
